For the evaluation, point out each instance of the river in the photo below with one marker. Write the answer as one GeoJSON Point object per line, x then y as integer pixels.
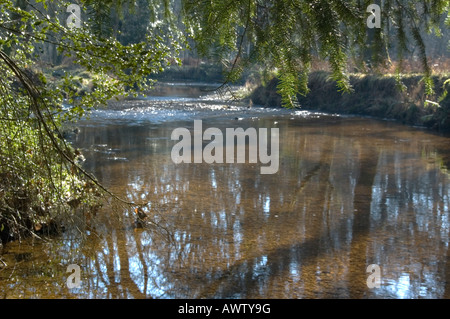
{"type": "Point", "coordinates": [350, 193]}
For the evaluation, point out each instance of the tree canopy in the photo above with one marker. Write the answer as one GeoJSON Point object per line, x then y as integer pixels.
{"type": "Point", "coordinates": [128, 40]}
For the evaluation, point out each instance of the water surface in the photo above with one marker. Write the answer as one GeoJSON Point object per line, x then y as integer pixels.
{"type": "Point", "coordinates": [350, 192]}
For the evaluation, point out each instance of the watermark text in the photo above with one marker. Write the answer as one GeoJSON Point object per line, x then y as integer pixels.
{"type": "Point", "coordinates": [213, 152]}
{"type": "Point", "coordinates": [74, 19]}
{"type": "Point", "coordinates": [74, 279]}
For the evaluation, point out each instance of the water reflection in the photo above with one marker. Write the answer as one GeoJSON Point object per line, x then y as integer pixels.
{"type": "Point", "coordinates": [349, 193]}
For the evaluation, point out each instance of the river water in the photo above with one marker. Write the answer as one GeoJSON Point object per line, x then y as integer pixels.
{"type": "Point", "coordinates": [350, 192]}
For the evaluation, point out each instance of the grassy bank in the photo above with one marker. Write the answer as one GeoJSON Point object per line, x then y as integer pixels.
{"type": "Point", "coordinates": [374, 95]}
{"type": "Point", "coordinates": [201, 72]}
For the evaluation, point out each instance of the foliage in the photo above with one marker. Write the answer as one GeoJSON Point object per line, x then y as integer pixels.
{"type": "Point", "coordinates": [287, 34]}
{"type": "Point", "coordinates": [123, 44]}
{"type": "Point", "coordinates": [376, 96]}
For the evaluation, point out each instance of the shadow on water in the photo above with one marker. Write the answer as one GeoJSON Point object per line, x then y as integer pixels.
{"type": "Point", "coordinates": [349, 193]}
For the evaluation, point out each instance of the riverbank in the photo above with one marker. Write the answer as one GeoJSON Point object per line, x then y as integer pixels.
{"type": "Point", "coordinates": [375, 96]}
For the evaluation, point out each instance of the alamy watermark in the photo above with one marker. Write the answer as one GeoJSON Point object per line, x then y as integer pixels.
{"type": "Point", "coordinates": [213, 152]}
{"type": "Point", "coordinates": [74, 19]}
